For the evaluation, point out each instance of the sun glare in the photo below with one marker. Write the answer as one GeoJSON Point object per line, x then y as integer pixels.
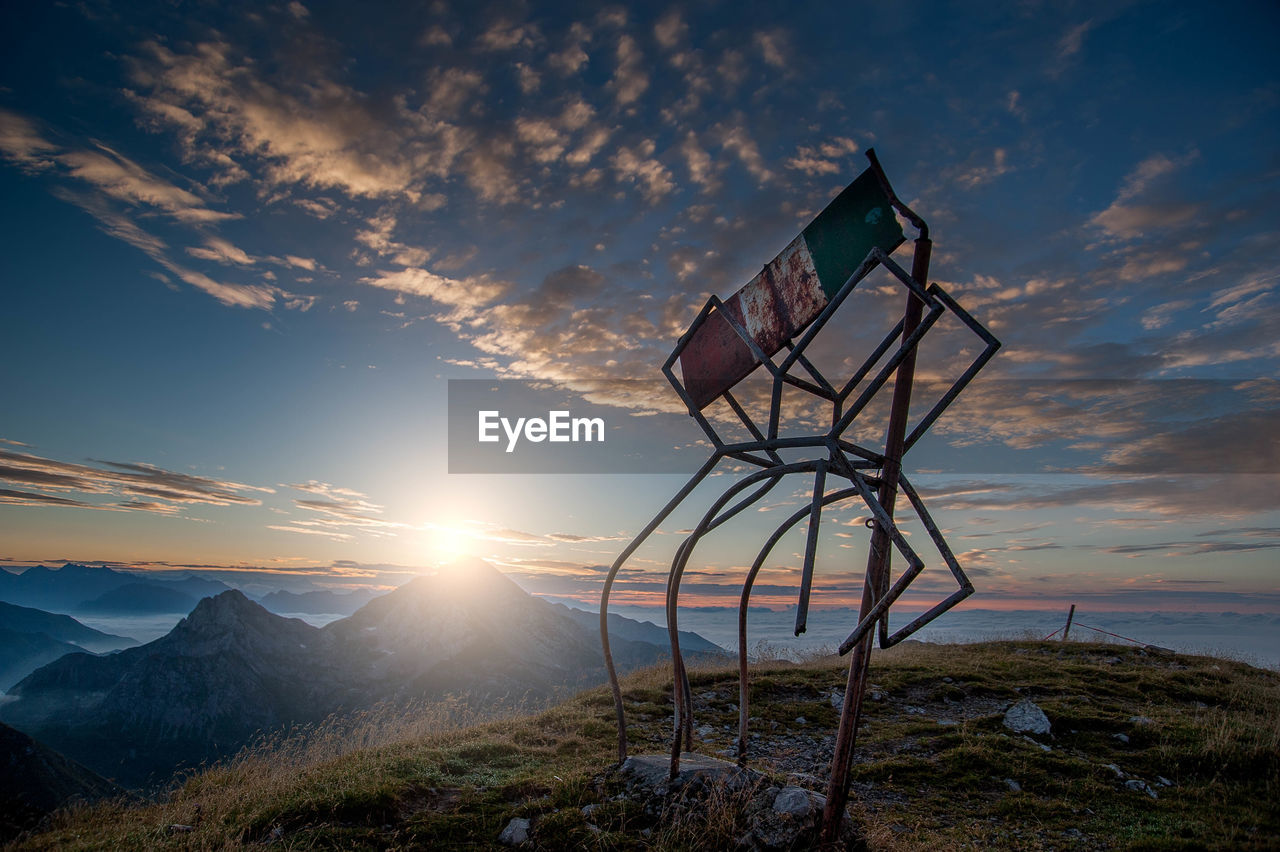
{"type": "Point", "coordinates": [447, 544]}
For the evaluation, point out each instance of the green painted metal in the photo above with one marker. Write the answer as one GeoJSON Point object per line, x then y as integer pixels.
{"type": "Point", "coordinates": [858, 220]}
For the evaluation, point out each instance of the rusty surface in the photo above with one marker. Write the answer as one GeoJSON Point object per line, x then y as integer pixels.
{"type": "Point", "coordinates": [772, 308]}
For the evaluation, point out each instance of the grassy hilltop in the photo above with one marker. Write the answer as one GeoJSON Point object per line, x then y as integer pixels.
{"type": "Point", "coordinates": [1147, 751]}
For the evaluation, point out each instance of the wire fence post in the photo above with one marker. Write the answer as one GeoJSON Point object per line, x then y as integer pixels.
{"type": "Point", "coordinates": [1070, 615]}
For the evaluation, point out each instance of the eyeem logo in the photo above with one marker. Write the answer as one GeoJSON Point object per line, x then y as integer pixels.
{"type": "Point", "coordinates": [560, 427]}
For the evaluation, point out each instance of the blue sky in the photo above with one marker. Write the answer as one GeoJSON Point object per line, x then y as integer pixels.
{"type": "Point", "coordinates": [244, 252]}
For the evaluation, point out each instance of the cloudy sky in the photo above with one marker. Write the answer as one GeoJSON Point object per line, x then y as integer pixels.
{"type": "Point", "coordinates": [245, 252]}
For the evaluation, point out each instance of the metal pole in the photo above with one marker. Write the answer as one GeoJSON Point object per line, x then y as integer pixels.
{"type": "Point", "coordinates": [1071, 614]}
{"type": "Point", "coordinates": [877, 578]}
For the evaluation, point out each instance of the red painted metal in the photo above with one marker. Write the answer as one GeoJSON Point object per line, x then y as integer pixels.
{"type": "Point", "coordinates": [772, 308]}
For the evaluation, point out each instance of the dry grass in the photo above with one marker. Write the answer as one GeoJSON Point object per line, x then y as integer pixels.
{"type": "Point", "coordinates": [440, 777]}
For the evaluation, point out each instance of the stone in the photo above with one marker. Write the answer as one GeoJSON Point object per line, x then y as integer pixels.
{"type": "Point", "coordinates": [1137, 785]}
{"type": "Point", "coordinates": [1124, 738]}
{"type": "Point", "coordinates": [1025, 717]}
{"type": "Point", "coordinates": [588, 810]}
{"type": "Point", "coordinates": [800, 720]}
{"type": "Point", "coordinates": [1163, 782]}
{"type": "Point", "coordinates": [516, 832]}
{"type": "Point", "coordinates": [1014, 786]}
{"type": "Point", "coordinates": [798, 802]}
{"type": "Point", "coordinates": [837, 700]}
{"type": "Point", "coordinates": [1140, 720]}
{"type": "Point", "coordinates": [1115, 769]}
{"type": "Point", "coordinates": [651, 773]}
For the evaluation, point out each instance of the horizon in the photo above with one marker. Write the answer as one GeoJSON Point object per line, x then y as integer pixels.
{"type": "Point", "coordinates": [246, 254]}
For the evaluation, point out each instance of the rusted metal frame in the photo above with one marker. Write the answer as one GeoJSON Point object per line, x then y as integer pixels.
{"type": "Point", "coordinates": [878, 556]}
{"type": "Point", "coordinates": [864, 269]}
{"type": "Point", "coordinates": [748, 458]}
{"type": "Point", "coordinates": [993, 346]}
{"type": "Point", "coordinates": [749, 423]}
{"type": "Point", "coordinates": [677, 571]}
{"type": "Point", "coordinates": [810, 548]}
{"type": "Point", "coordinates": [694, 411]}
{"type": "Point", "coordinates": [707, 466]}
{"type": "Point", "coordinates": [884, 600]}
{"type": "Point", "coordinates": [745, 602]}
{"type": "Point", "coordinates": [812, 370]}
{"type": "Point", "coordinates": [906, 351]}
{"type": "Point", "coordinates": [944, 550]}
{"type": "Point", "coordinates": [870, 362]}
{"type": "Point", "coordinates": [872, 458]}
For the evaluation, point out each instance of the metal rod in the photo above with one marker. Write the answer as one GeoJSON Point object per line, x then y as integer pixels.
{"type": "Point", "coordinates": [745, 601]}
{"type": "Point", "coordinates": [878, 556]}
{"type": "Point", "coordinates": [1071, 614]}
{"type": "Point", "coordinates": [810, 548]}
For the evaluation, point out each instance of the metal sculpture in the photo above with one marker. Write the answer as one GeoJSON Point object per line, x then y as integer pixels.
{"type": "Point", "coordinates": [779, 311]}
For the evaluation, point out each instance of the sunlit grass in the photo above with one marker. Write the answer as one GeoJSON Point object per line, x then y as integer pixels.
{"type": "Point", "coordinates": [438, 775]}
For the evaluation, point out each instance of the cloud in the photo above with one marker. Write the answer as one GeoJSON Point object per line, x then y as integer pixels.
{"type": "Point", "coordinates": [121, 178]}
{"type": "Point", "coordinates": [337, 513]}
{"type": "Point", "coordinates": [823, 159]}
{"type": "Point", "coordinates": [23, 144]}
{"type": "Point", "coordinates": [636, 165]}
{"type": "Point", "coordinates": [467, 294]}
{"type": "Point", "coordinates": [129, 479]}
{"type": "Point", "coordinates": [630, 79]}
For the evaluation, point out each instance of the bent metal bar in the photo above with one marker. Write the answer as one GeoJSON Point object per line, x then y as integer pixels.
{"type": "Point", "coordinates": [785, 307]}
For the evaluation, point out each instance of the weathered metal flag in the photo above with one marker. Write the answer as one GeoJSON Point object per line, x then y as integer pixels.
{"type": "Point", "coordinates": [792, 289]}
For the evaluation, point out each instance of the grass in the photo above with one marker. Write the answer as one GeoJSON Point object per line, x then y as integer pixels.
{"type": "Point", "coordinates": [439, 777]}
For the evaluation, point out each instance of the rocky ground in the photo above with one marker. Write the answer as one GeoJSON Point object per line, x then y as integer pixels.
{"type": "Point", "coordinates": [1012, 745]}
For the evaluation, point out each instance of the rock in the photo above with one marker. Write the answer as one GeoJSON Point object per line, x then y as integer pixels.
{"type": "Point", "coordinates": [650, 773]}
{"type": "Point", "coordinates": [947, 723]}
{"type": "Point", "coordinates": [1014, 786]}
{"type": "Point", "coordinates": [947, 680]}
{"type": "Point", "coordinates": [837, 700]}
{"type": "Point", "coordinates": [1115, 769]}
{"type": "Point", "coordinates": [1139, 786]}
{"type": "Point", "coordinates": [1124, 738]}
{"type": "Point", "coordinates": [181, 829]}
{"type": "Point", "coordinates": [1140, 720]}
{"type": "Point", "coordinates": [800, 720]}
{"type": "Point", "coordinates": [516, 832]}
{"type": "Point", "coordinates": [1025, 717]}
{"type": "Point", "coordinates": [1163, 782]}
{"type": "Point", "coordinates": [588, 810]}
{"type": "Point", "coordinates": [798, 802]}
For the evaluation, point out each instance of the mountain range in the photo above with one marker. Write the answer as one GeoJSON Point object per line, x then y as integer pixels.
{"type": "Point", "coordinates": [31, 638]}
{"type": "Point", "coordinates": [95, 589]}
{"type": "Point", "coordinates": [232, 670]}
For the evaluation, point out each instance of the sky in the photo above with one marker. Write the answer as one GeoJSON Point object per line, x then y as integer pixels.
{"type": "Point", "coordinates": [246, 250]}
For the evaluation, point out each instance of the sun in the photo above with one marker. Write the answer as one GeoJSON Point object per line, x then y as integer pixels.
{"type": "Point", "coordinates": [447, 544]}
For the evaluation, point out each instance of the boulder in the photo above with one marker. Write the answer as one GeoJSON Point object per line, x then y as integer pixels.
{"type": "Point", "coordinates": [1025, 717]}
{"type": "Point", "coordinates": [516, 832]}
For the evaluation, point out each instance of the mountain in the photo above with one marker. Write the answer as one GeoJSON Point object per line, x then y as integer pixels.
{"type": "Point", "coordinates": [142, 598]}
{"type": "Point", "coordinates": [232, 669]}
{"type": "Point", "coordinates": [23, 653]}
{"type": "Point", "coordinates": [641, 631]}
{"type": "Point", "coordinates": [64, 628]}
{"type": "Point", "coordinates": [32, 638]}
{"type": "Point", "coordinates": [468, 629]}
{"type": "Point", "coordinates": [318, 602]}
{"type": "Point", "coordinates": [60, 589]}
{"type": "Point", "coordinates": [98, 589]}
{"type": "Point", "coordinates": [225, 672]}
{"type": "Point", "coordinates": [36, 780]}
